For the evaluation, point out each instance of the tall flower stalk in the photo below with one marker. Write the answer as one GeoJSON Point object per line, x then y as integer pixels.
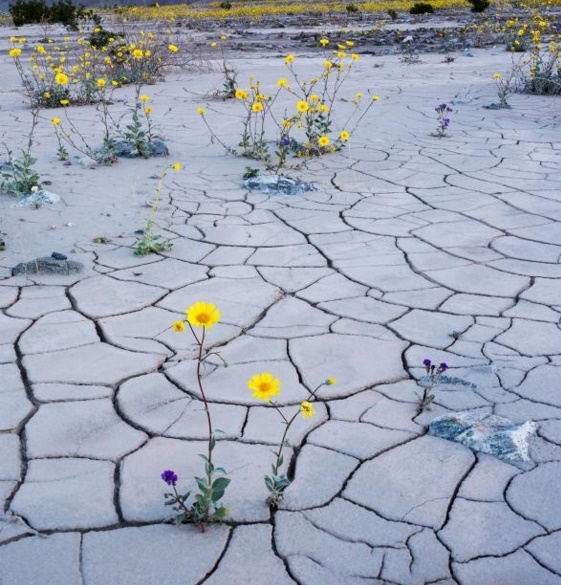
{"type": "Point", "coordinates": [264, 387]}
{"type": "Point", "coordinates": [206, 506]}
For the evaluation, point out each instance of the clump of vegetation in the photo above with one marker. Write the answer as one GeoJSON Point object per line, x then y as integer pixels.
{"type": "Point", "coordinates": [352, 8]}
{"type": "Point", "coordinates": [63, 11]}
{"type": "Point", "coordinates": [421, 8]}
{"type": "Point", "coordinates": [392, 14]}
{"type": "Point", "coordinates": [479, 5]}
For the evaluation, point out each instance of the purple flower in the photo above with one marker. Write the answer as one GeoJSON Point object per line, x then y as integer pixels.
{"type": "Point", "coordinates": [169, 476]}
{"type": "Point", "coordinates": [443, 366]}
{"type": "Point", "coordinates": [285, 141]}
{"type": "Point", "coordinates": [427, 363]}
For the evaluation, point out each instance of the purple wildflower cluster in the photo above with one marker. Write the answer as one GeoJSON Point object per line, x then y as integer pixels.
{"type": "Point", "coordinates": [169, 476]}
{"type": "Point", "coordinates": [431, 368]}
{"type": "Point", "coordinates": [442, 112]}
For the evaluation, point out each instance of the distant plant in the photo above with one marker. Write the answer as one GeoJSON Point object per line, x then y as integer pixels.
{"type": "Point", "coordinates": [443, 112]}
{"type": "Point", "coordinates": [206, 505]}
{"type": "Point", "coordinates": [229, 84]}
{"type": "Point", "coordinates": [150, 242]}
{"type": "Point", "coordinates": [226, 5]}
{"type": "Point", "coordinates": [352, 8]}
{"type": "Point", "coordinates": [392, 14]}
{"type": "Point", "coordinates": [306, 130]}
{"type": "Point", "coordinates": [265, 386]}
{"type": "Point", "coordinates": [433, 376]}
{"type": "Point", "coordinates": [37, 11]}
{"type": "Point", "coordinates": [409, 51]}
{"type": "Point", "coordinates": [421, 8]}
{"type": "Point", "coordinates": [479, 5]}
{"type": "Point", "coordinates": [18, 175]}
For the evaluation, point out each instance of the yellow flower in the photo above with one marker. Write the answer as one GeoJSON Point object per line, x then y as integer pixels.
{"type": "Point", "coordinates": [144, 98]}
{"type": "Point", "coordinates": [355, 57]}
{"type": "Point", "coordinates": [257, 107]}
{"type": "Point", "coordinates": [47, 95]}
{"type": "Point", "coordinates": [203, 315]}
{"type": "Point", "coordinates": [324, 42]}
{"type": "Point", "coordinates": [323, 141]}
{"type": "Point", "coordinates": [282, 82]}
{"type": "Point", "coordinates": [307, 410]}
{"type": "Point", "coordinates": [178, 326]}
{"type": "Point", "coordinates": [137, 54]}
{"type": "Point", "coordinates": [61, 79]}
{"type": "Point", "coordinates": [359, 95]}
{"type": "Point", "coordinates": [327, 64]}
{"type": "Point", "coordinates": [375, 98]}
{"type": "Point", "coordinates": [64, 102]}
{"type": "Point", "coordinates": [330, 381]}
{"type": "Point", "coordinates": [213, 44]}
{"type": "Point", "coordinates": [148, 110]}
{"type": "Point", "coordinates": [16, 52]}
{"type": "Point", "coordinates": [341, 54]}
{"type": "Point", "coordinates": [264, 386]}
{"type": "Point", "coordinates": [349, 43]}
{"type": "Point", "coordinates": [40, 49]}
{"type": "Point", "coordinates": [101, 82]}
{"type": "Point", "coordinates": [241, 94]}
{"type": "Point", "coordinates": [289, 59]}
{"type": "Point", "coordinates": [314, 98]}
{"type": "Point", "coordinates": [177, 166]}
{"type": "Point", "coordinates": [201, 111]}
{"type": "Point", "coordinates": [173, 48]}
{"type": "Point", "coordinates": [344, 135]}
{"type": "Point", "coordinates": [497, 76]}
{"type": "Point", "coordinates": [55, 121]}
{"type": "Point", "coordinates": [302, 106]}
{"type": "Point", "coordinates": [323, 108]}
{"type": "Point", "coordinates": [223, 37]}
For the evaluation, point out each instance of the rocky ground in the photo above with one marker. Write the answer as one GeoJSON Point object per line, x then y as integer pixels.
{"type": "Point", "coordinates": [412, 247]}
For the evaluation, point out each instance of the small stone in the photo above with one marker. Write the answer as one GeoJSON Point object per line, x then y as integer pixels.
{"type": "Point", "coordinates": [278, 185]}
{"type": "Point", "coordinates": [486, 433]}
{"type": "Point", "coordinates": [59, 256]}
{"type": "Point", "coordinates": [47, 265]}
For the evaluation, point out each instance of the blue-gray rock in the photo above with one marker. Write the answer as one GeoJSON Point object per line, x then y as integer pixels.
{"type": "Point", "coordinates": [278, 185]}
{"type": "Point", "coordinates": [126, 149]}
{"type": "Point", "coordinates": [59, 256]}
{"type": "Point", "coordinates": [47, 265]}
{"type": "Point", "coordinates": [486, 433]}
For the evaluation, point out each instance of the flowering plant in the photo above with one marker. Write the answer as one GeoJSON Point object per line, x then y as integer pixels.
{"type": "Point", "coordinates": [443, 121]}
{"type": "Point", "coordinates": [206, 506]}
{"type": "Point", "coordinates": [265, 386]}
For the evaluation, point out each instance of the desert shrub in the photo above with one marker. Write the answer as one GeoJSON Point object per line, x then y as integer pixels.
{"type": "Point", "coordinates": [421, 8]}
{"type": "Point", "coordinates": [352, 8]}
{"type": "Point", "coordinates": [479, 5]}
{"type": "Point", "coordinates": [63, 11]}
{"type": "Point", "coordinates": [226, 5]}
{"type": "Point", "coordinates": [392, 14]}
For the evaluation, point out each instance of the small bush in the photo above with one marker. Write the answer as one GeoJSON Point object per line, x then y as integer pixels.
{"type": "Point", "coordinates": [479, 5]}
{"type": "Point", "coordinates": [421, 8]}
{"type": "Point", "coordinates": [392, 14]}
{"type": "Point", "coordinates": [352, 8]}
{"type": "Point", "coordinates": [37, 11]}
{"type": "Point", "coordinates": [226, 5]}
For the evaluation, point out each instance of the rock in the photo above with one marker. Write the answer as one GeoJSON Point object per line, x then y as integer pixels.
{"type": "Point", "coordinates": [37, 198]}
{"type": "Point", "coordinates": [59, 256]}
{"type": "Point", "coordinates": [486, 433]}
{"type": "Point", "coordinates": [278, 185]}
{"type": "Point", "coordinates": [47, 265]}
{"type": "Point", "coordinates": [126, 149]}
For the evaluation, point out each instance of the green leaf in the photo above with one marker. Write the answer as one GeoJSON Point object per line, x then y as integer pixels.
{"type": "Point", "coordinates": [220, 483]}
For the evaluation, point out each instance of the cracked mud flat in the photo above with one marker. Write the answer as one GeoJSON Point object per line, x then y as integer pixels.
{"type": "Point", "coordinates": [412, 247]}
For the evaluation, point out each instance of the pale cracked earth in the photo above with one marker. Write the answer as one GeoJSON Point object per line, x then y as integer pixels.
{"type": "Point", "coordinates": [412, 247]}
